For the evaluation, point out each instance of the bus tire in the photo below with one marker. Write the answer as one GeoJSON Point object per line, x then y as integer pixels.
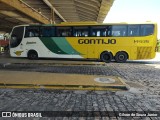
{"type": "Point", "coordinates": [106, 56]}
{"type": "Point", "coordinates": [121, 57]}
{"type": "Point", "coordinates": [32, 55]}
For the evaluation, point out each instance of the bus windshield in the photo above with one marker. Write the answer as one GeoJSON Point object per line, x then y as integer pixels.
{"type": "Point", "coordinates": [16, 37]}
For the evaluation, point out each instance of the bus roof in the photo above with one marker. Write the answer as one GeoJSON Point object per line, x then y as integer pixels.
{"type": "Point", "coordinates": [85, 23]}
{"type": "Point", "coordinates": [95, 23]}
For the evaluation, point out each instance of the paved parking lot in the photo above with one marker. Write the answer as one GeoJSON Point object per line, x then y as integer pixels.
{"type": "Point", "coordinates": [143, 96]}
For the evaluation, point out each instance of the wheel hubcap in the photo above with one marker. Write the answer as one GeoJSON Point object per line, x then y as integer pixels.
{"type": "Point", "coordinates": [106, 57]}
{"type": "Point", "coordinates": [33, 56]}
{"type": "Point", "coordinates": [121, 57]}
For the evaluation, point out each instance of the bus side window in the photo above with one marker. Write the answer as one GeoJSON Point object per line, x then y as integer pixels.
{"type": "Point", "coordinates": [119, 30]}
{"type": "Point", "coordinates": [147, 30]}
{"type": "Point", "coordinates": [32, 31]}
{"type": "Point", "coordinates": [81, 31]}
{"type": "Point", "coordinates": [47, 31]}
{"type": "Point", "coordinates": [64, 31]}
{"type": "Point", "coordinates": [98, 31]}
{"type": "Point", "coordinates": [133, 30]}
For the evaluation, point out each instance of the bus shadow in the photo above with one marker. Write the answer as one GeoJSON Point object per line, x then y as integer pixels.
{"type": "Point", "coordinates": [7, 58]}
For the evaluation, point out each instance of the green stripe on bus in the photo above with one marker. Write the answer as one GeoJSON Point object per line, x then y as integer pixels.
{"type": "Point", "coordinates": [51, 45]}
{"type": "Point", "coordinates": [65, 46]}
{"type": "Point", "coordinates": [59, 45]}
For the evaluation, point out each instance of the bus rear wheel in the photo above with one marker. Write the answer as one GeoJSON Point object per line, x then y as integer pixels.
{"type": "Point", "coordinates": [32, 55]}
{"type": "Point", "coordinates": [106, 57]}
{"type": "Point", "coordinates": [121, 57]}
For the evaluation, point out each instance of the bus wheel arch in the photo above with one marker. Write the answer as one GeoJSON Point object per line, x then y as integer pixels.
{"type": "Point", "coordinates": [106, 56]}
{"type": "Point", "coordinates": [121, 56]}
{"type": "Point", "coordinates": [32, 55]}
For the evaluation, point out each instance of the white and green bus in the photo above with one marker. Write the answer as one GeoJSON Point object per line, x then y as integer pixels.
{"type": "Point", "coordinates": [119, 41]}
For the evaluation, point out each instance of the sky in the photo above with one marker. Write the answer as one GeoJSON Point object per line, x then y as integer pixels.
{"type": "Point", "coordinates": [134, 11]}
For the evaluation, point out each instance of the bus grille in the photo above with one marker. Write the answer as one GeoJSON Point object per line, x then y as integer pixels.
{"type": "Point", "coordinates": [144, 52]}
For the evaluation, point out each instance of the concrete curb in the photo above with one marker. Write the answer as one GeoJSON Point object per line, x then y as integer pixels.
{"type": "Point", "coordinates": [17, 79]}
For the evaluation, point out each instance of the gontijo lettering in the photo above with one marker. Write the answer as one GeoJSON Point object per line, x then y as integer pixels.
{"type": "Point", "coordinates": [97, 41]}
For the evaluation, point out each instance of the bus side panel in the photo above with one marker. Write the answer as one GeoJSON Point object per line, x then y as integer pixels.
{"type": "Point", "coordinates": [81, 49]}
{"type": "Point", "coordinates": [59, 47]}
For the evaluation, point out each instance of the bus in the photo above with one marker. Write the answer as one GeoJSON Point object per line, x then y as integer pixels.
{"type": "Point", "coordinates": [4, 43]}
{"type": "Point", "coordinates": [85, 40]}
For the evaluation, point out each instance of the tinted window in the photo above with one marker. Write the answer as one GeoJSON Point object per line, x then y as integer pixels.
{"type": "Point", "coordinates": [147, 30]}
{"type": "Point", "coordinates": [133, 30]}
{"type": "Point", "coordinates": [101, 31]}
{"type": "Point", "coordinates": [98, 31]}
{"type": "Point", "coordinates": [16, 37]}
{"type": "Point", "coordinates": [47, 31]}
{"type": "Point", "coordinates": [32, 31]}
{"type": "Point", "coordinates": [119, 30]}
{"type": "Point", "coordinates": [81, 31]}
{"type": "Point", "coordinates": [64, 31]}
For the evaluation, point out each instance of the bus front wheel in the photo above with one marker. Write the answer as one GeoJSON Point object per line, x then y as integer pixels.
{"type": "Point", "coordinates": [106, 57]}
{"type": "Point", "coordinates": [121, 57]}
{"type": "Point", "coordinates": [32, 55]}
